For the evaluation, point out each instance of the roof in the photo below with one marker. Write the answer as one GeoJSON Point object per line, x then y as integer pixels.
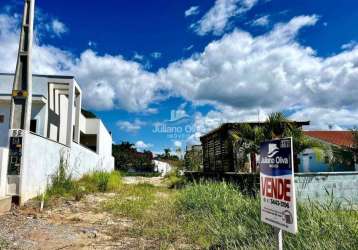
{"type": "Point", "coordinates": [339, 138]}
{"type": "Point", "coordinates": [225, 126]}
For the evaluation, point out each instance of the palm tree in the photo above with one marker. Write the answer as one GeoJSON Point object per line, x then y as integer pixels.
{"type": "Point", "coordinates": [248, 138]}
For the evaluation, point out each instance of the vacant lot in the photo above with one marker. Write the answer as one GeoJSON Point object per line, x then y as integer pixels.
{"type": "Point", "coordinates": [110, 212]}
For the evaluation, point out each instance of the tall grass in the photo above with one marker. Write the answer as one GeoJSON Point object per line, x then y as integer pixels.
{"type": "Point", "coordinates": [216, 215]}
{"type": "Point", "coordinates": [63, 185]}
{"type": "Point", "coordinates": [100, 181]}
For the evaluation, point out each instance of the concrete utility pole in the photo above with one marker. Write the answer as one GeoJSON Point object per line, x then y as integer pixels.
{"type": "Point", "coordinates": [21, 102]}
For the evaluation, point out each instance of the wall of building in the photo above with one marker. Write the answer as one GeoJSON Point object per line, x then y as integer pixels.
{"type": "Point", "coordinates": [315, 186]}
{"type": "Point", "coordinates": [104, 140]}
{"type": "Point", "coordinates": [63, 111]}
{"type": "Point", "coordinates": [40, 88]}
{"type": "Point", "coordinates": [162, 167]}
{"type": "Point", "coordinates": [38, 167]}
{"type": "Point", "coordinates": [309, 162]}
{"type": "Point", "coordinates": [4, 127]}
{"type": "Point", "coordinates": [38, 113]}
{"type": "Point", "coordinates": [4, 154]}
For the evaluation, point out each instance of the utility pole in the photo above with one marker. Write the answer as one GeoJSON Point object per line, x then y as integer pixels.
{"type": "Point", "coordinates": [21, 100]}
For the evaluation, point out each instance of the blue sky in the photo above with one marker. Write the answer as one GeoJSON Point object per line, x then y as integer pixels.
{"type": "Point", "coordinates": [209, 61]}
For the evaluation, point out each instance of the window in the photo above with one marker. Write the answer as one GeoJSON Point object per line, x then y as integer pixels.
{"type": "Point", "coordinates": [33, 125]}
{"type": "Point", "coordinates": [2, 118]}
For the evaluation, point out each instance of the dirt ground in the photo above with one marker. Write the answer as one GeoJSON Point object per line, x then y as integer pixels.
{"type": "Point", "coordinates": [71, 225]}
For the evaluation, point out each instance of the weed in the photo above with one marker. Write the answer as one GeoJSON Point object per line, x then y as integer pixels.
{"type": "Point", "coordinates": [131, 200]}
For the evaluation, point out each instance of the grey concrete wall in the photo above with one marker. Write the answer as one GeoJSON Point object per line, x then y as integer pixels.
{"type": "Point", "coordinates": [4, 154]}
{"type": "Point", "coordinates": [314, 186]}
{"type": "Point", "coordinates": [41, 159]}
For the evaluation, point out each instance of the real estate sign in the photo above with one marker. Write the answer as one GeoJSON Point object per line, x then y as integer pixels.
{"type": "Point", "coordinates": [277, 187]}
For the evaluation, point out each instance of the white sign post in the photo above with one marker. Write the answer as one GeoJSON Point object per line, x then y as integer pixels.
{"type": "Point", "coordinates": [277, 187]}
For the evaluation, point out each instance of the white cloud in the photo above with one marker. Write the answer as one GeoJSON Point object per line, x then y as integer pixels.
{"type": "Point", "coordinates": [350, 45]}
{"type": "Point", "coordinates": [261, 21]}
{"type": "Point", "coordinates": [192, 11]}
{"type": "Point", "coordinates": [156, 55]}
{"type": "Point", "coordinates": [141, 145]}
{"type": "Point", "coordinates": [237, 74]}
{"type": "Point", "coordinates": [177, 144]}
{"type": "Point", "coordinates": [217, 18]}
{"type": "Point", "coordinates": [92, 44]}
{"type": "Point", "coordinates": [150, 111]}
{"type": "Point", "coordinates": [119, 83]}
{"type": "Point", "coordinates": [58, 27]}
{"type": "Point", "coordinates": [239, 69]}
{"type": "Point", "coordinates": [130, 127]}
{"type": "Point", "coordinates": [324, 118]}
{"type": "Point", "coordinates": [138, 57]}
{"type": "Point", "coordinates": [190, 47]}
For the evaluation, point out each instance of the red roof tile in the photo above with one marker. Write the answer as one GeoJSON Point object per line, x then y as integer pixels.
{"type": "Point", "coordinates": [340, 138]}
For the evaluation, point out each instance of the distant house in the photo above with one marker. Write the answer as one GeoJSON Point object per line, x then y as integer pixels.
{"type": "Point", "coordinates": [221, 155]}
{"type": "Point", "coordinates": [337, 145]}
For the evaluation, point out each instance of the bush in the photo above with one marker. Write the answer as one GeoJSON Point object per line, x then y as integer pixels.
{"type": "Point", "coordinates": [218, 216]}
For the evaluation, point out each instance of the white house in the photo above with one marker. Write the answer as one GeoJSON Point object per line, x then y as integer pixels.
{"type": "Point", "coordinates": [59, 129]}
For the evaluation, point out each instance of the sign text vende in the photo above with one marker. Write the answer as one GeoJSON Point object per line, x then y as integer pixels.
{"type": "Point", "coordinates": [278, 201]}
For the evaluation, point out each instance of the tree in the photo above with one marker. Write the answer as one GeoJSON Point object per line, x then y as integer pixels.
{"type": "Point", "coordinates": [247, 138]}
{"type": "Point", "coordinates": [167, 153]}
{"type": "Point", "coordinates": [126, 156]}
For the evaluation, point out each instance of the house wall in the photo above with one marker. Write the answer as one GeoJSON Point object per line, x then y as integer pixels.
{"type": "Point", "coordinates": [39, 166]}
{"type": "Point", "coordinates": [162, 167]}
{"type": "Point", "coordinates": [309, 162]}
{"type": "Point", "coordinates": [104, 140]}
{"type": "Point", "coordinates": [4, 127]}
{"type": "Point", "coordinates": [63, 118]}
{"type": "Point", "coordinates": [314, 186]}
{"type": "Point", "coordinates": [38, 113]}
{"type": "Point", "coordinates": [4, 154]}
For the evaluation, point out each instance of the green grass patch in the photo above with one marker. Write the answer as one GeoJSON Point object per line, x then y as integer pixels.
{"type": "Point", "coordinates": [132, 200]}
